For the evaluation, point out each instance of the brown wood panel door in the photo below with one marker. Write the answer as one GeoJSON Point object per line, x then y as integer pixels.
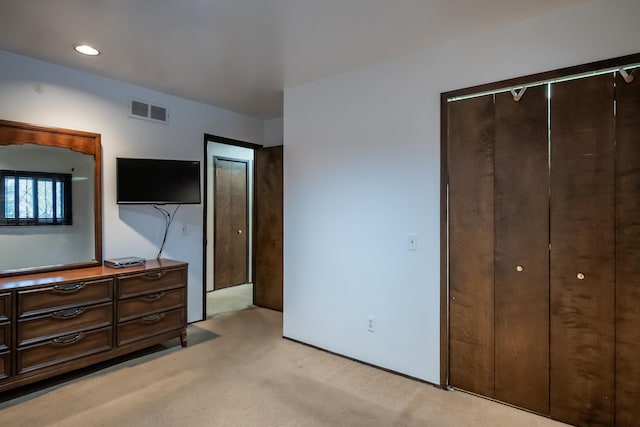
{"type": "Point", "coordinates": [268, 246]}
{"type": "Point", "coordinates": [231, 251]}
{"type": "Point", "coordinates": [471, 248]}
{"type": "Point", "coordinates": [582, 251]}
{"type": "Point", "coordinates": [522, 250]}
{"type": "Point", "coordinates": [627, 253]}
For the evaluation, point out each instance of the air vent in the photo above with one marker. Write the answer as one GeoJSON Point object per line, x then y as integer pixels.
{"type": "Point", "coordinates": [146, 111]}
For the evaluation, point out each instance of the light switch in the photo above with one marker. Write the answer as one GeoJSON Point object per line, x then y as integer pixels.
{"type": "Point", "coordinates": [412, 242]}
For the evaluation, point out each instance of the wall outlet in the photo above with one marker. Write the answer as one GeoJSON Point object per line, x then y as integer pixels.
{"type": "Point", "coordinates": [371, 323]}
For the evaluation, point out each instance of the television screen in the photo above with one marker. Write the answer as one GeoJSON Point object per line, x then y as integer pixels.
{"type": "Point", "coordinates": [153, 181]}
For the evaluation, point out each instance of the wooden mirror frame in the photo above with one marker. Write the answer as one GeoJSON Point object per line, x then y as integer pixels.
{"type": "Point", "coordinates": [15, 133]}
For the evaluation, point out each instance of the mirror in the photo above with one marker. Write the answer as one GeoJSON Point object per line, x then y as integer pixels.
{"type": "Point", "coordinates": [46, 246]}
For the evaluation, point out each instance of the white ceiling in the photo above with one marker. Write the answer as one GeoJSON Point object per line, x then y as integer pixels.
{"type": "Point", "coordinates": [240, 54]}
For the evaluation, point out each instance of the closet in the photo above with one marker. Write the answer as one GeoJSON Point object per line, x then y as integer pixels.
{"type": "Point", "coordinates": [543, 232]}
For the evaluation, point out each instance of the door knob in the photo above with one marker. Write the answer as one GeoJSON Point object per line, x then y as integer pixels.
{"type": "Point", "coordinates": [580, 276]}
{"type": "Point", "coordinates": [239, 231]}
{"type": "Point", "coordinates": [519, 268]}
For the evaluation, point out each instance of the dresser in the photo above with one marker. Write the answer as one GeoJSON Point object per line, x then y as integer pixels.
{"type": "Point", "coordinates": [51, 323]}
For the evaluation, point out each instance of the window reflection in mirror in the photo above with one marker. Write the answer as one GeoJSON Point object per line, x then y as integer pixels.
{"type": "Point", "coordinates": [46, 245]}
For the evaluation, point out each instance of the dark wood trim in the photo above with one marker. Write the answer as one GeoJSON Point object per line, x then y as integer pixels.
{"type": "Point", "coordinates": [230, 141]}
{"type": "Point", "coordinates": [546, 75]}
{"type": "Point", "coordinates": [254, 230]}
{"type": "Point", "coordinates": [444, 251]}
{"type": "Point", "coordinates": [205, 201]}
{"type": "Point", "coordinates": [16, 133]}
{"type": "Point", "coordinates": [97, 198]}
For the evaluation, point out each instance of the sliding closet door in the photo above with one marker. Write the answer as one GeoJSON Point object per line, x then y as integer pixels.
{"type": "Point", "coordinates": [471, 250]}
{"type": "Point", "coordinates": [627, 253]}
{"type": "Point", "coordinates": [522, 250]}
{"type": "Point", "coordinates": [582, 251]}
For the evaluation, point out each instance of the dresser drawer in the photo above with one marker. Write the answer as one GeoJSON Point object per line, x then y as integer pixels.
{"type": "Point", "coordinates": [5, 365]}
{"type": "Point", "coordinates": [64, 322]}
{"type": "Point", "coordinates": [5, 307]}
{"type": "Point", "coordinates": [150, 303]}
{"type": "Point", "coordinates": [5, 336]}
{"type": "Point", "coordinates": [152, 281]}
{"type": "Point", "coordinates": [151, 325]}
{"type": "Point", "coordinates": [63, 349]}
{"type": "Point", "coordinates": [64, 295]}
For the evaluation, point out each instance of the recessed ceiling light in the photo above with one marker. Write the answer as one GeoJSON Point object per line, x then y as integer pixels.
{"type": "Point", "coordinates": [85, 49]}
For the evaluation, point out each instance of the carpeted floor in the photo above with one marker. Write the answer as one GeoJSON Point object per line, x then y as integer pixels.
{"type": "Point", "coordinates": [239, 371]}
{"type": "Point", "coordinates": [229, 300]}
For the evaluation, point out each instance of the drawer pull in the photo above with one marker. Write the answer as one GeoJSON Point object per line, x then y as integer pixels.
{"type": "Point", "coordinates": [69, 339]}
{"type": "Point", "coordinates": [154, 275]}
{"type": "Point", "coordinates": [69, 287]}
{"type": "Point", "coordinates": [152, 318]}
{"type": "Point", "coordinates": [68, 313]}
{"type": "Point", "coordinates": [152, 297]}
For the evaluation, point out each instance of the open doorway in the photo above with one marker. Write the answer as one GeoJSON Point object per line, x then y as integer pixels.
{"type": "Point", "coordinates": [229, 218]}
{"type": "Point", "coordinates": [243, 204]}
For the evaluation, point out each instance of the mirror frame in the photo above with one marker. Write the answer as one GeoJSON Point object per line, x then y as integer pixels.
{"type": "Point", "coordinates": [16, 133]}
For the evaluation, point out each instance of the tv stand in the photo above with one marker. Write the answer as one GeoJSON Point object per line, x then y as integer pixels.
{"type": "Point", "coordinates": [56, 322]}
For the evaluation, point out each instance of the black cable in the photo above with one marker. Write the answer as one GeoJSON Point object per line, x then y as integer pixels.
{"type": "Point", "coordinates": [168, 219]}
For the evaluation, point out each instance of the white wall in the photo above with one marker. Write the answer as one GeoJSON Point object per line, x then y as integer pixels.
{"type": "Point", "coordinates": [362, 165]}
{"type": "Point", "coordinates": [37, 92]}
{"type": "Point", "coordinates": [273, 129]}
{"type": "Point", "coordinates": [215, 149]}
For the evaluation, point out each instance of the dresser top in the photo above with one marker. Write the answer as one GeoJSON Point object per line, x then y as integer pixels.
{"type": "Point", "coordinates": [37, 279]}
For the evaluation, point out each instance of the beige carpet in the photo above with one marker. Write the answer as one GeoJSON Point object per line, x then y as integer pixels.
{"type": "Point", "coordinates": [238, 371]}
{"type": "Point", "coordinates": [229, 300]}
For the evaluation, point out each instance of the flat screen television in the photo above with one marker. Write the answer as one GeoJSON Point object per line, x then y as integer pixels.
{"type": "Point", "coordinates": [154, 181]}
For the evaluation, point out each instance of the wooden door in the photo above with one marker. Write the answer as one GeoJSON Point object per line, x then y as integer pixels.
{"type": "Point", "coordinates": [471, 245]}
{"type": "Point", "coordinates": [230, 223]}
{"type": "Point", "coordinates": [582, 251]}
{"type": "Point", "coordinates": [499, 248]}
{"type": "Point", "coordinates": [522, 250]}
{"type": "Point", "coordinates": [627, 254]}
{"type": "Point", "coordinates": [268, 243]}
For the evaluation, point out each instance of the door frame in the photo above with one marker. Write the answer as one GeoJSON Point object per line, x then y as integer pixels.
{"type": "Point", "coordinates": [247, 212]}
{"type": "Point", "coordinates": [222, 140]}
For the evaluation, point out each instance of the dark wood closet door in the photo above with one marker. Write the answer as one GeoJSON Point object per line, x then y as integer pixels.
{"type": "Point", "coordinates": [582, 251]}
{"type": "Point", "coordinates": [231, 249]}
{"type": "Point", "coordinates": [628, 253]}
{"type": "Point", "coordinates": [522, 251]}
{"type": "Point", "coordinates": [268, 255]}
{"type": "Point", "coordinates": [471, 293]}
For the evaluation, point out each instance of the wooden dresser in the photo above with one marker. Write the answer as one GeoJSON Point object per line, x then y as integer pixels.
{"type": "Point", "coordinates": [56, 322]}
